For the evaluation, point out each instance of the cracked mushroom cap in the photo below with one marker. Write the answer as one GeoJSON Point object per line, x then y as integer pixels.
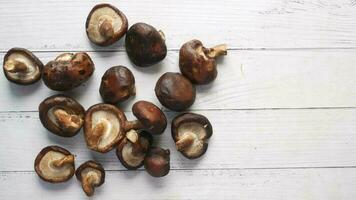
{"type": "Point", "coordinates": [22, 67]}
{"type": "Point", "coordinates": [133, 148]}
{"type": "Point", "coordinates": [191, 132]}
{"type": "Point", "coordinates": [198, 63]}
{"type": "Point", "coordinates": [151, 117]}
{"type": "Point", "coordinates": [104, 127]}
{"type": "Point", "coordinates": [157, 162]}
{"type": "Point", "coordinates": [117, 85]}
{"type": "Point", "coordinates": [68, 71]}
{"type": "Point", "coordinates": [145, 46]}
{"type": "Point", "coordinates": [91, 175]}
{"type": "Point", "coordinates": [61, 115]}
{"type": "Point", "coordinates": [175, 91]}
{"type": "Point", "coordinates": [105, 25]}
{"type": "Point", "coordinates": [54, 164]}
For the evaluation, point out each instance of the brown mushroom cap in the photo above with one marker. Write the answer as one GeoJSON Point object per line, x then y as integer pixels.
{"type": "Point", "coordinates": [105, 24]}
{"type": "Point", "coordinates": [133, 148]}
{"type": "Point", "coordinates": [68, 71]}
{"type": "Point", "coordinates": [191, 132]}
{"type": "Point", "coordinates": [54, 164]}
{"type": "Point", "coordinates": [104, 127]}
{"type": "Point", "coordinates": [150, 116]}
{"type": "Point", "coordinates": [91, 174]}
{"type": "Point", "coordinates": [198, 63]}
{"type": "Point", "coordinates": [117, 85]}
{"type": "Point", "coordinates": [175, 92]}
{"type": "Point", "coordinates": [22, 67]}
{"type": "Point", "coordinates": [61, 115]}
{"type": "Point", "coordinates": [145, 45]}
{"type": "Point", "coordinates": [157, 162]}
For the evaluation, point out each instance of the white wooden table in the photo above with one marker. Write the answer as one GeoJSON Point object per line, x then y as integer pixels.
{"type": "Point", "coordinates": [283, 107]}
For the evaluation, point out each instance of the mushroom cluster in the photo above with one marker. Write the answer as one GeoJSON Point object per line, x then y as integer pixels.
{"type": "Point", "coordinates": [105, 125]}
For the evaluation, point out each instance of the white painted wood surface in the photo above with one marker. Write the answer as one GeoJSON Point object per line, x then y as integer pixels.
{"type": "Point", "coordinates": [242, 139]}
{"type": "Point", "coordinates": [246, 80]}
{"type": "Point", "coordinates": [301, 184]}
{"type": "Point", "coordinates": [283, 106]}
{"type": "Point", "coordinates": [59, 25]}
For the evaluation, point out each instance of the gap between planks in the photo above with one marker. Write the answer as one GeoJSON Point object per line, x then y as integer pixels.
{"type": "Point", "coordinates": [207, 169]}
{"type": "Point", "coordinates": [219, 109]}
{"type": "Point", "coordinates": [177, 49]}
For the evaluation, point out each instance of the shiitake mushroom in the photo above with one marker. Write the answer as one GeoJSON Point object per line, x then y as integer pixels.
{"type": "Point", "coordinates": [117, 85]}
{"type": "Point", "coordinates": [91, 174]}
{"type": "Point", "coordinates": [22, 67]}
{"type": "Point", "coordinates": [190, 133]}
{"type": "Point", "coordinates": [175, 91]}
{"type": "Point", "coordinates": [105, 24]}
{"type": "Point", "coordinates": [104, 127]}
{"type": "Point", "coordinates": [54, 164]}
{"type": "Point", "coordinates": [61, 115]}
{"type": "Point", "coordinates": [198, 63]}
{"type": "Point", "coordinates": [157, 162]}
{"type": "Point", "coordinates": [145, 45]}
{"type": "Point", "coordinates": [150, 117]}
{"type": "Point", "coordinates": [133, 148]}
{"type": "Point", "coordinates": [68, 71]}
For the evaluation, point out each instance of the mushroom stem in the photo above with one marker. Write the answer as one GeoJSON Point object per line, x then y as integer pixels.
{"type": "Point", "coordinates": [63, 161]}
{"type": "Point", "coordinates": [15, 66]}
{"type": "Point", "coordinates": [98, 131]}
{"type": "Point", "coordinates": [106, 29]}
{"type": "Point", "coordinates": [185, 141]}
{"type": "Point", "coordinates": [67, 120]}
{"type": "Point", "coordinates": [219, 50]}
{"type": "Point", "coordinates": [135, 125]}
{"type": "Point", "coordinates": [87, 185]}
{"type": "Point", "coordinates": [137, 148]}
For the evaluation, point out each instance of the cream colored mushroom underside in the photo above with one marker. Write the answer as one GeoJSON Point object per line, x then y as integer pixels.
{"type": "Point", "coordinates": [112, 127]}
{"type": "Point", "coordinates": [129, 158]}
{"type": "Point", "coordinates": [99, 15]}
{"type": "Point", "coordinates": [50, 171]}
{"type": "Point", "coordinates": [32, 67]}
{"type": "Point", "coordinates": [94, 173]}
{"type": "Point", "coordinates": [199, 133]}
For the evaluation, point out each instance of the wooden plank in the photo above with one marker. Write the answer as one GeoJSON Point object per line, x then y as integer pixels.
{"type": "Point", "coordinates": [242, 139]}
{"type": "Point", "coordinates": [246, 80]}
{"type": "Point", "coordinates": [230, 184]}
{"type": "Point", "coordinates": [59, 25]}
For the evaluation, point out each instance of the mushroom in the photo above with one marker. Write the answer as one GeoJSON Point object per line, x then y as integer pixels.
{"type": "Point", "coordinates": [150, 117]}
{"type": "Point", "coordinates": [117, 85]}
{"type": "Point", "coordinates": [133, 148]}
{"type": "Point", "coordinates": [190, 133]}
{"type": "Point", "coordinates": [68, 71]}
{"type": "Point", "coordinates": [104, 127]}
{"type": "Point", "coordinates": [198, 63]}
{"type": "Point", "coordinates": [105, 24]}
{"type": "Point", "coordinates": [22, 67]}
{"type": "Point", "coordinates": [157, 162]}
{"type": "Point", "coordinates": [54, 164]}
{"type": "Point", "coordinates": [61, 115]}
{"type": "Point", "coordinates": [174, 91]}
{"type": "Point", "coordinates": [91, 174]}
{"type": "Point", "coordinates": [145, 45]}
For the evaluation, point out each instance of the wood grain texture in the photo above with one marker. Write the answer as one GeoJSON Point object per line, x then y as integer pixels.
{"type": "Point", "coordinates": [246, 80]}
{"type": "Point", "coordinates": [283, 107]}
{"type": "Point", "coordinates": [60, 25]}
{"type": "Point", "coordinates": [309, 184]}
{"type": "Point", "coordinates": [242, 139]}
